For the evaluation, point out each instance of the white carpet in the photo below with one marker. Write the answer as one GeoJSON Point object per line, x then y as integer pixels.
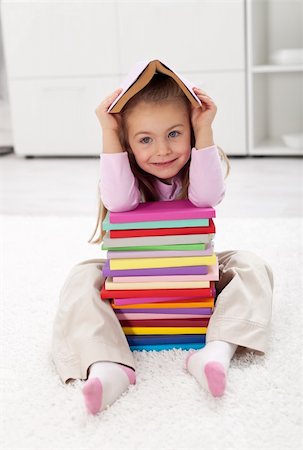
{"type": "Point", "coordinates": [165, 409]}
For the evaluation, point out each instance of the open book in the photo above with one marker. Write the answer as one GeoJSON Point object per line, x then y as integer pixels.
{"type": "Point", "coordinates": [141, 75]}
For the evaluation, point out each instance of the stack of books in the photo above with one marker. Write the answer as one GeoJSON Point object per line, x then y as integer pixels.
{"type": "Point", "coordinates": [160, 273]}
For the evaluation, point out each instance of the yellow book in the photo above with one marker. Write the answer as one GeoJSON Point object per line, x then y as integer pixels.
{"type": "Point", "coordinates": [207, 304]}
{"type": "Point", "coordinates": [157, 285]}
{"type": "Point", "coordinates": [150, 263]}
{"type": "Point", "coordinates": [164, 330]}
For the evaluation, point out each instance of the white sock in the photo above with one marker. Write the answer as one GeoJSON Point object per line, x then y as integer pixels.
{"type": "Point", "coordinates": [209, 366]}
{"type": "Point", "coordinates": [106, 382]}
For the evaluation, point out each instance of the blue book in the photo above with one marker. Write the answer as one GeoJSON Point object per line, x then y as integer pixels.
{"type": "Point", "coordinates": [165, 339]}
{"type": "Point", "coordinates": [159, 348]}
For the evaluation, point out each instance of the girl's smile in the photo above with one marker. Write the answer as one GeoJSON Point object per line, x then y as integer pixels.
{"type": "Point", "coordinates": [164, 164]}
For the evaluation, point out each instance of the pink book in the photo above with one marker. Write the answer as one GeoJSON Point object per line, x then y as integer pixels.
{"type": "Point", "coordinates": [163, 210]}
{"type": "Point", "coordinates": [151, 279]}
{"type": "Point", "coordinates": [150, 316]}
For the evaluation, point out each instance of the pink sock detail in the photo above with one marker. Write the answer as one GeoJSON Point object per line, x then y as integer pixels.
{"type": "Point", "coordinates": [130, 373]}
{"type": "Point", "coordinates": [92, 391]}
{"type": "Point", "coordinates": [216, 378]}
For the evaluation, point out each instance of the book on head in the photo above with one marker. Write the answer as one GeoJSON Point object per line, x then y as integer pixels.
{"type": "Point", "coordinates": [140, 76]}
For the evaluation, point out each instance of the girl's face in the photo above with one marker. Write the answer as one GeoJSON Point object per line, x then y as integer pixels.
{"type": "Point", "coordinates": [160, 137]}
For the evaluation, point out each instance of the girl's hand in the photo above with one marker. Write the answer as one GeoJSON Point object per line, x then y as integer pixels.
{"type": "Point", "coordinates": [109, 121]}
{"type": "Point", "coordinates": [203, 116]}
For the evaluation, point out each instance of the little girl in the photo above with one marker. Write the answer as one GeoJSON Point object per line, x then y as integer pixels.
{"type": "Point", "coordinates": [158, 148]}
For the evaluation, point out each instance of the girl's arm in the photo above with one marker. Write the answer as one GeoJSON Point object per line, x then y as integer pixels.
{"type": "Point", "coordinates": [206, 180]}
{"type": "Point", "coordinates": [118, 187]}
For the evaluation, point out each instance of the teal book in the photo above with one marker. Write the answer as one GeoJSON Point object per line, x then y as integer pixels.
{"type": "Point", "coordinates": [107, 226]}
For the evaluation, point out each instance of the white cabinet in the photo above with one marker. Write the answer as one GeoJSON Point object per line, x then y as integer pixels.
{"type": "Point", "coordinates": [228, 91]}
{"type": "Point", "coordinates": [275, 75]}
{"type": "Point", "coordinates": [64, 57]}
{"type": "Point", "coordinates": [59, 39]}
{"type": "Point", "coordinates": [194, 36]}
{"type": "Point", "coordinates": [55, 116]}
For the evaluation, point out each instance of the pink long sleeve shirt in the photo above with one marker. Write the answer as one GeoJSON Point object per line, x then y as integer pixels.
{"type": "Point", "coordinates": [119, 188]}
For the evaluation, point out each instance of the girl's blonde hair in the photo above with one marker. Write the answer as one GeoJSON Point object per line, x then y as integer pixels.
{"type": "Point", "coordinates": [160, 88]}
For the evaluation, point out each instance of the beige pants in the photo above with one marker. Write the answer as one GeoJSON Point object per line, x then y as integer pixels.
{"type": "Point", "coordinates": [86, 329]}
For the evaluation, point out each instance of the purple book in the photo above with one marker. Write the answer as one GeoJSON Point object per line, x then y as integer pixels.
{"type": "Point", "coordinates": [201, 311]}
{"type": "Point", "coordinates": [188, 270]}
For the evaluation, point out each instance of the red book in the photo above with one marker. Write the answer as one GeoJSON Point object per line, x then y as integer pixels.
{"type": "Point", "coordinates": [164, 231]}
{"type": "Point", "coordinates": [195, 322]}
{"type": "Point", "coordinates": [202, 292]}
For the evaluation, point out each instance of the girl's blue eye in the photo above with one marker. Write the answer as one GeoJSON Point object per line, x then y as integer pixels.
{"type": "Point", "coordinates": [143, 140]}
{"type": "Point", "coordinates": [174, 132]}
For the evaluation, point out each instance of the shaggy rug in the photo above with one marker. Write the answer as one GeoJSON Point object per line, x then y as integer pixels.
{"type": "Point", "coordinates": [166, 409]}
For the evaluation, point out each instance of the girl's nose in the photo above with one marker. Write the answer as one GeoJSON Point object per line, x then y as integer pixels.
{"type": "Point", "coordinates": [163, 148]}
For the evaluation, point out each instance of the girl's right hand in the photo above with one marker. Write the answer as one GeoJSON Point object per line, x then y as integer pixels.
{"type": "Point", "coordinates": [109, 121]}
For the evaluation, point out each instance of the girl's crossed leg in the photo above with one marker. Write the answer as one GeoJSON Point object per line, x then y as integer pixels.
{"type": "Point", "coordinates": [241, 317]}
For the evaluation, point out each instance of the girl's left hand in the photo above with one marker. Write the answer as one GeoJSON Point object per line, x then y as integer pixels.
{"type": "Point", "coordinates": [203, 116]}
